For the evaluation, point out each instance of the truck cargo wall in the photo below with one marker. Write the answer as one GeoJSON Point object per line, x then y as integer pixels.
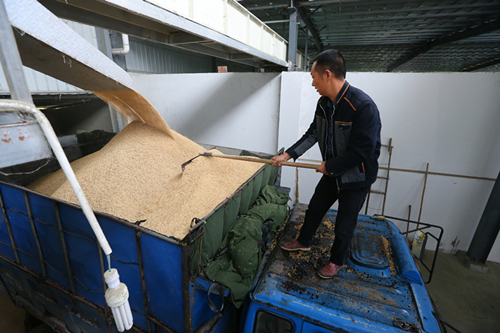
{"type": "Point", "coordinates": [60, 250]}
{"type": "Point", "coordinates": [52, 265]}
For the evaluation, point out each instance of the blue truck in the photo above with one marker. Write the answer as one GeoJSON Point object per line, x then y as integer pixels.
{"type": "Point", "coordinates": [52, 266]}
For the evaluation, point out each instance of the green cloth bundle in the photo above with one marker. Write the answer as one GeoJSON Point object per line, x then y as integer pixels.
{"type": "Point", "coordinates": [238, 266]}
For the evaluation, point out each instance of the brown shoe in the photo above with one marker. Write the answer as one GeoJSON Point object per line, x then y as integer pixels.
{"type": "Point", "coordinates": [294, 246]}
{"type": "Point", "coordinates": [329, 270]}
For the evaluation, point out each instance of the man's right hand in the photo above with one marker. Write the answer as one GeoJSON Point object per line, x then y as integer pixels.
{"type": "Point", "coordinates": [280, 158]}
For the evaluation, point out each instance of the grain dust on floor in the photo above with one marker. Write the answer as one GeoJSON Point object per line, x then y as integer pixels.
{"type": "Point", "coordinates": [137, 176]}
{"type": "Point", "coordinates": [11, 317]}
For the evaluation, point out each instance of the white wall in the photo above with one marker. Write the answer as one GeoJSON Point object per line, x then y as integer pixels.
{"type": "Point", "coordinates": [237, 110]}
{"type": "Point", "coordinates": [447, 120]}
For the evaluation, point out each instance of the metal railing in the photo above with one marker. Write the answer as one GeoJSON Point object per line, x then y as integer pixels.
{"type": "Point", "coordinates": [420, 226]}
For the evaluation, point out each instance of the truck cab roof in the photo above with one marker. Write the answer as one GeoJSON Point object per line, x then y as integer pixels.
{"type": "Point", "coordinates": [379, 289]}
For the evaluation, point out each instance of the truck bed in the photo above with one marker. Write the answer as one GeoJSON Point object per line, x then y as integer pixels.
{"type": "Point", "coordinates": [379, 288]}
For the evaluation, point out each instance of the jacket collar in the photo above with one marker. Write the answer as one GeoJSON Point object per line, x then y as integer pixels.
{"type": "Point", "coordinates": [325, 100]}
{"type": "Point", "coordinates": [341, 93]}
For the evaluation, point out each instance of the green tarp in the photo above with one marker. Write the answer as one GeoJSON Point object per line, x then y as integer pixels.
{"type": "Point", "coordinates": [217, 223]}
{"type": "Point", "coordinates": [238, 266]}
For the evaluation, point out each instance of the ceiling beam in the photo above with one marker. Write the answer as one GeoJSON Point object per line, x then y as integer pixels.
{"type": "Point", "coordinates": [423, 24]}
{"type": "Point", "coordinates": [466, 9]}
{"type": "Point", "coordinates": [459, 35]}
{"type": "Point", "coordinates": [213, 52]}
{"type": "Point", "coordinates": [176, 38]}
{"type": "Point", "coordinates": [353, 17]}
{"type": "Point", "coordinates": [386, 33]}
{"type": "Point", "coordinates": [324, 2]}
{"type": "Point", "coordinates": [276, 21]}
{"type": "Point", "coordinates": [358, 3]}
{"type": "Point", "coordinates": [311, 27]}
{"type": "Point", "coordinates": [480, 65]}
{"type": "Point", "coordinates": [400, 43]}
{"type": "Point", "coordinates": [265, 7]}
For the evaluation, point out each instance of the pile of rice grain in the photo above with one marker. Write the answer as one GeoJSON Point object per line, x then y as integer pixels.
{"type": "Point", "coordinates": [138, 176]}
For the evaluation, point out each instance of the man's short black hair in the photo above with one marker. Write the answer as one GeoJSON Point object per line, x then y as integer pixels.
{"type": "Point", "coordinates": [331, 60]}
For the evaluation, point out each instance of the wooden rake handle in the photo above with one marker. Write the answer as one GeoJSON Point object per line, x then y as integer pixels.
{"type": "Point", "coordinates": [261, 160]}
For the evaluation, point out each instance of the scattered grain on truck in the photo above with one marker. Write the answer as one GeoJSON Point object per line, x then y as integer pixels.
{"type": "Point", "coordinates": [387, 249]}
{"type": "Point", "coordinates": [138, 176]}
{"type": "Point", "coordinates": [304, 264]}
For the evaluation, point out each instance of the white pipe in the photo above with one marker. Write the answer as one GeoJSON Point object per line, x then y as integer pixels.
{"type": "Point", "coordinates": [16, 106]}
{"type": "Point", "coordinates": [126, 46]}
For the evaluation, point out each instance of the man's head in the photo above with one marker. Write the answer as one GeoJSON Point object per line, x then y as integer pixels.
{"type": "Point", "coordinates": [330, 60]}
{"type": "Point", "coordinates": [328, 73]}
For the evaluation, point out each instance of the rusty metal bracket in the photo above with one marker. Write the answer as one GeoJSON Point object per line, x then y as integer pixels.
{"type": "Point", "coordinates": [196, 224]}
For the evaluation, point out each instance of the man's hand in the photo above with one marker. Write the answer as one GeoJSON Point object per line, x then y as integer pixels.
{"type": "Point", "coordinates": [322, 169]}
{"type": "Point", "coordinates": [280, 158]}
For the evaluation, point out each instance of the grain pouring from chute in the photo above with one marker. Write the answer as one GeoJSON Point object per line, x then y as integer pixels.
{"type": "Point", "coordinates": [134, 107]}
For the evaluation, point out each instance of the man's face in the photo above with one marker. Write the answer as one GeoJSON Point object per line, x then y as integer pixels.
{"type": "Point", "coordinates": [319, 81]}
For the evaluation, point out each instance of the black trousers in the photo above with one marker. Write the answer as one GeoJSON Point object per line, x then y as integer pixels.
{"type": "Point", "coordinates": [350, 203]}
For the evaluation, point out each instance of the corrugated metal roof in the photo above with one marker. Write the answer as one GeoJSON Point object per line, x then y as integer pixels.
{"type": "Point", "coordinates": [396, 35]}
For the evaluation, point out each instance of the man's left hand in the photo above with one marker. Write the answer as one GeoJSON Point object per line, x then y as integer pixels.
{"type": "Point", "coordinates": [322, 169]}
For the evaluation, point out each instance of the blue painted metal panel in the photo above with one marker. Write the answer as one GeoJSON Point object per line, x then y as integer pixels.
{"type": "Point", "coordinates": [5, 242]}
{"type": "Point", "coordinates": [369, 295]}
{"type": "Point", "coordinates": [163, 275]}
{"type": "Point", "coordinates": [21, 228]}
{"type": "Point", "coordinates": [5, 247]}
{"type": "Point", "coordinates": [125, 259]}
{"type": "Point", "coordinates": [83, 254]}
{"type": "Point", "coordinates": [50, 240]}
{"type": "Point", "coordinates": [200, 309]}
{"type": "Point", "coordinates": [368, 250]}
{"type": "Point", "coordinates": [403, 260]}
{"type": "Point", "coordinates": [41, 299]}
{"type": "Point", "coordinates": [162, 262]}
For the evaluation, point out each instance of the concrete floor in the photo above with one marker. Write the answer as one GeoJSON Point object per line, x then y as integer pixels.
{"type": "Point", "coordinates": [466, 299]}
{"type": "Point", "coordinates": [11, 317]}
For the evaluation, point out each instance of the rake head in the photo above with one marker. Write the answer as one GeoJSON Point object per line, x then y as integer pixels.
{"type": "Point", "coordinates": [205, 153]}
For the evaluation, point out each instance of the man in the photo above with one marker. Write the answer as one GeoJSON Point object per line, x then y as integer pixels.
{"type": "Point", "coordinates": [346, 126]}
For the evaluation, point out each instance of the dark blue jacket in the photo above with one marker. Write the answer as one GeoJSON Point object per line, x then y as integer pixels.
{"type": "Point", "coordinates": [356, 138]}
